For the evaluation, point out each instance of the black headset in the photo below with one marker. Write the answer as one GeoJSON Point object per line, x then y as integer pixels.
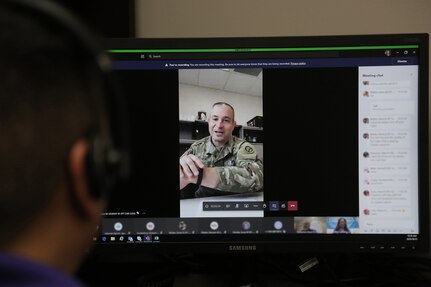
{"type": "Point", "coordinates": [107, 161]}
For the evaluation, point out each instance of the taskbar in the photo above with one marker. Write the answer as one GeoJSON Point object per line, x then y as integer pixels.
{"type": "Point", "coordinates": [354, 242]}
{"type": "Point", "coordinates": [254, 226]}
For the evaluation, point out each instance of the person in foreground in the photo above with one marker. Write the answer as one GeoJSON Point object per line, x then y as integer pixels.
{"type": "Point", "coordinates": [221, 163]}
{"type": "Point", "coordinates": [48, 213]}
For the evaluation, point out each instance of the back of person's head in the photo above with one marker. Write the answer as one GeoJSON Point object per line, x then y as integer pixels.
{"type": "Point", "coordinates": [49, 98]}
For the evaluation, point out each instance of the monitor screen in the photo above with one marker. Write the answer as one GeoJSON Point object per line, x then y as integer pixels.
{"type": "Point", "coordinates": [273, 144]}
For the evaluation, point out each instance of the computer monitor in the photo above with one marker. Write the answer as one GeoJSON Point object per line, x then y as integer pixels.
{"type": "Point", "coordinates": [329, 146]}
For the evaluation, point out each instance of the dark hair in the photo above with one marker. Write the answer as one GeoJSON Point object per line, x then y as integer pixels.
{"type": "Point", "coordinates": [338, 228]}
{"type": "Point", "coordinates": [48, 100]}
{"type": "Point", "coordinates": [225, 104]}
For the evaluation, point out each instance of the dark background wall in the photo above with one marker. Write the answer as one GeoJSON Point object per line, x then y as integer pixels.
{"type": "Point", "coordinates": [108, 18]}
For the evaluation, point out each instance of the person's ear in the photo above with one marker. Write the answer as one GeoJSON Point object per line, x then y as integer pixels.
{"type": "Point", "coordinates": [86, 204]}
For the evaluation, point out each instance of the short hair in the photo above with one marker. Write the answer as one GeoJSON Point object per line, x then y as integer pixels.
{"type": "Point", "coordinates": [225, 104]}
{"type": "Point", "coordinates": [48, 100]}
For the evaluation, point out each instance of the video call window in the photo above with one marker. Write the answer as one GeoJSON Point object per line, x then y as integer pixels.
{"type": "Point", "coordinates": [238, 159]}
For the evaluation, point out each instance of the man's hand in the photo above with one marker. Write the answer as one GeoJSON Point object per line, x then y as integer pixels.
{"type": "Point", "coordinates": [189, 169]}
{"type": "Point", "coordinates": [185, 180]}
{"type": "Point", "coordinates": [190, 165]}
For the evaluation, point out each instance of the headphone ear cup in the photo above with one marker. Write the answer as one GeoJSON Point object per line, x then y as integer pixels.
{"type": "Point", "coordinates": [102, 164]}
{"type": "Point", "coordinates": [93, 170]}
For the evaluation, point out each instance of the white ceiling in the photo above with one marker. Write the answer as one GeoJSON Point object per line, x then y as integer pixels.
{"type": "Point", "coordinates": [224, 79]}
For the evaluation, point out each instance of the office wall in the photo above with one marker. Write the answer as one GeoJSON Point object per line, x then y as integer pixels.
{"type": "Point", "coordinates": [197, 18]}
{"type": "Point", "coordinates": [193, 99]}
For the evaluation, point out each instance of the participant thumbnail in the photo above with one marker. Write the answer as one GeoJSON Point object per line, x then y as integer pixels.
{"type": "Point", "coordinates": [342, 225]}
{"type": "Point", "coordinates": [310, 224]}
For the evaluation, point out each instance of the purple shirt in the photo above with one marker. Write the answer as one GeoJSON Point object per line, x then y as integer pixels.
{"type": "Point", "coordinates": [19, 272]}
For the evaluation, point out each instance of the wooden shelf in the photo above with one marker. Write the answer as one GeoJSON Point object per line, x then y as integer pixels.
{"type": "Point", "coordinates": [186, 141]}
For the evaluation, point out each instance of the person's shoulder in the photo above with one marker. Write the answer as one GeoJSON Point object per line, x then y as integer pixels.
{"type": "Point", "coordinates": [244, 149]}
{"type": "Point", "coordinates": [20, 271]}
{"type": "Point", "coordinates": [239, 143]}
{"type": "Point", "coordinates": [238, 140]}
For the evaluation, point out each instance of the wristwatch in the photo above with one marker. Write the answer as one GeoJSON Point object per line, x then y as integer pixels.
{"type": "Point", "coordinates": [200, 176]}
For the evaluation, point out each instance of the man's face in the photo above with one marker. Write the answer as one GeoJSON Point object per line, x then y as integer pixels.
{"type": "Point", "coordinates": [306, 225]}
{"type": "Point", "coordinates": [221, 124]}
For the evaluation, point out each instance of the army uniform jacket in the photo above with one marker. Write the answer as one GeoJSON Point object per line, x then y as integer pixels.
{"type": "Point", "coordinates": [237, 164]}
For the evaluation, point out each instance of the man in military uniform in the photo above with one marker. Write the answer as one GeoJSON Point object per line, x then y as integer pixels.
{"type": "Point", "coordinates": [221, 163]}
{"type": "Point", "coordinates": [306, 228]}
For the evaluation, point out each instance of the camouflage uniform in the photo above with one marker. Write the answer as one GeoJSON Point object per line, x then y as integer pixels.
{"type": "Point", "coordinates": [238, 167]}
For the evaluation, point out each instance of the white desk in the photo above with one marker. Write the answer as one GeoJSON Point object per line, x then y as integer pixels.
{"type": "Point", "coordinates": [193, 207]}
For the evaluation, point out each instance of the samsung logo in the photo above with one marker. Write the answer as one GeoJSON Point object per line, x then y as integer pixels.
{"type": "Point", "coordinates": [242, 247]}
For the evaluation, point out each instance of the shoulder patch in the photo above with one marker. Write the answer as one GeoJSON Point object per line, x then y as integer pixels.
{"type": "Point", "coordinates": [249, 149]}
